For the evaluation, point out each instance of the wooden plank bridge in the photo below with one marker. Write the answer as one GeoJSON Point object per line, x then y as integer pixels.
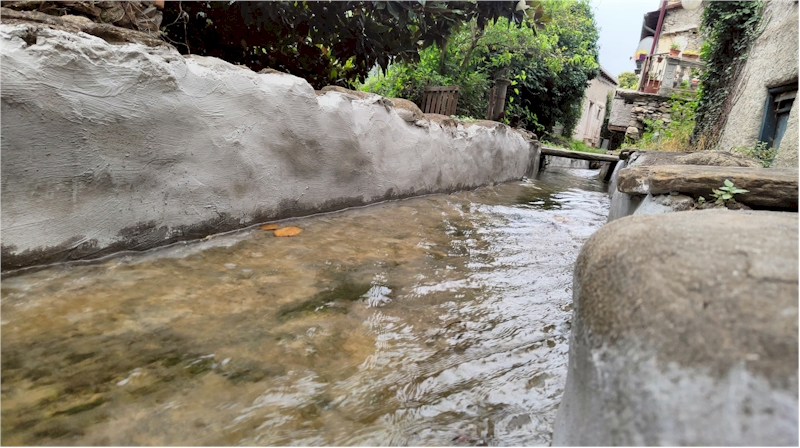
{"type": "Point", "coordinates": [591, 156]}
{"type": "Point", "coordinates": [550, 151]}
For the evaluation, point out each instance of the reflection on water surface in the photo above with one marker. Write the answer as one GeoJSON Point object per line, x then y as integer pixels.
{"type": "Point", "coordinates": [440, 320]}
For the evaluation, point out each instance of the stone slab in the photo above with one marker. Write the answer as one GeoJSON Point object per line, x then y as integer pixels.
{"type": "Point", "coordinates": [768, 187]}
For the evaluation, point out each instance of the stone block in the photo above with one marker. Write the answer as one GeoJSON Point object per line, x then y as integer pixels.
{"type": "Point", "coordinates": [685, 332]}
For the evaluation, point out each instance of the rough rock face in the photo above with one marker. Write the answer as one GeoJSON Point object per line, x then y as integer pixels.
{"type": "Point", "coordinates": [128, 147]}
{"type": "Point", "coordinates": [685, 332]}
{"type": "Point", "coordinates": [767, 187]}
{"type": "Point", "coordinates": [136, 15]}
{"type": "Point", "coordinates": [35, 20]}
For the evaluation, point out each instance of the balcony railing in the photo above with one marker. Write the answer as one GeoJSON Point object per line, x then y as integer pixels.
{"type": "Point", "coordinates": [664, 74]}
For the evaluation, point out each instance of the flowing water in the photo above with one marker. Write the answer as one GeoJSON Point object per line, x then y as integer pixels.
{"type": "Point", "coordinates": [440, 320]}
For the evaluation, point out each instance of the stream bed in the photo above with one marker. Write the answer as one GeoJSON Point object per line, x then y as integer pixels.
{"type": "Point", "coordinates": [439, 320]}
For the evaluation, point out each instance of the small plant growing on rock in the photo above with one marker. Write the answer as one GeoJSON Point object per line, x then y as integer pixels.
{"type": "Point", "coordinates": [724, 195]}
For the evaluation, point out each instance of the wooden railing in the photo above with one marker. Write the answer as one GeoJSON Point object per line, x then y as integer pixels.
{"type": "Point", "coordinates": [440, 100]}
{"type": "Point", "coordinates": [665, 74]}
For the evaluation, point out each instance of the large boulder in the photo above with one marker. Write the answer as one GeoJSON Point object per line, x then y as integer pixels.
{"type": "Point", "coordinates": [685, 332]}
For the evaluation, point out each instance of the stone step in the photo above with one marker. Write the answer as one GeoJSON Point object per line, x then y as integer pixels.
{"type": "Point", "coordinates": [767, 187]}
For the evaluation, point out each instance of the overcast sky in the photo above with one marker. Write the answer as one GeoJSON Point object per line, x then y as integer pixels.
{"type": "Point", "coordinates": [620, 23]}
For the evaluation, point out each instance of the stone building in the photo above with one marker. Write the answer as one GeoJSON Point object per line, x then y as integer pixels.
{"type": "Point", "coordinates": [594, 108]}
{"type": "Point", "coordinates": [767, 86]}
{"type": "Point", "coordinates": [662, 73]}
{"type": "Point", "coordinates": [666, 69]}
{"type": "Point", "coordinates": [680, 26]}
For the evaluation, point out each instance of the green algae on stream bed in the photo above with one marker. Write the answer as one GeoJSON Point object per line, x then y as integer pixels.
{"type": "Point", "coordinates": [430, 321]}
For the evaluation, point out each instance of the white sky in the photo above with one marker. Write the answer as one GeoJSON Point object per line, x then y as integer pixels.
{"type": "Point", "coordinates": [620, 23]}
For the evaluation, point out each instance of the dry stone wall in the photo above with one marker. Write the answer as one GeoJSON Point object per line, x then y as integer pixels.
{"type": "Point", "coordinates": [637, 108]}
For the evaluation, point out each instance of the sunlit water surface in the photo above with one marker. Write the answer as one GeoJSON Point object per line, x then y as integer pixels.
{"type": "Point", "coordinates": [440, 320]}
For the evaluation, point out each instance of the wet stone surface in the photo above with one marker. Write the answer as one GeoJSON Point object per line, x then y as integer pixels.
{"type": "Point", "coordinates": [432, 321]}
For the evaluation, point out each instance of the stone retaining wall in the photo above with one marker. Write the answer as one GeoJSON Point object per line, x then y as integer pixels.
{"type": "Point", "coordinates": [127, 147]}
{"type": "Point", "coordinates": [633, 108]}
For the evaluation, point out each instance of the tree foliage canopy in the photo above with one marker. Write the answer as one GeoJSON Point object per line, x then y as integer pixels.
{"type": "Point", "coordinates": [323, 42]}
{"type": "Point", "coordinates": [548, 69]}
{"type": "Point", "coordinates": [628, 80]}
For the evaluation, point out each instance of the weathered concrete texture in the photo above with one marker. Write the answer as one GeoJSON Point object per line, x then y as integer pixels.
{"type": "Point", "coordinates": [772, 62]}
{"type": "Point", "coordinates": [117, 147]}
{"type": "Point", "coordinates": [685, 332]}
{"type": "Point", "coordinates": [767, 187]}
{"type": "Point", "coordinates": [664, 203]}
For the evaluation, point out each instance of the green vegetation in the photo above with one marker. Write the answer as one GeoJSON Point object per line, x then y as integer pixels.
{"type": "Point", "coordinates": [729, 29]}
{"type": "Point", "coordinates": [325, 42]}
{"type": "Point", "coordinates": [724, 195]}
{"type": "Point", "coordinates": [548, 67]}
{"type": "Point", "coordinates": [761, 151]}
{"type": "Point", "coordinates": [628, 80]}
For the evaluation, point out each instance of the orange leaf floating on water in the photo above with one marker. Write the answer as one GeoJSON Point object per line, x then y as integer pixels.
{"type": "Point", "coordinates": [269, 227]}
{"type": "Point", "coordinates": [288, 231]}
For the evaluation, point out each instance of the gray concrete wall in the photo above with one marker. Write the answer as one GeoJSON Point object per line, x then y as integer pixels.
{"type": "Point", "coordinates": [773, 61]}
{"type": "Point", "coordinates": [127, 147]}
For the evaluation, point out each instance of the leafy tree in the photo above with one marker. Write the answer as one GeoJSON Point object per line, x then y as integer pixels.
{"type": "Point", "coordinates": [324, 42]}
{"type": "Point", "coordinates": [628, 80]}
{"type": "Point", "coordinates": [548, 69]}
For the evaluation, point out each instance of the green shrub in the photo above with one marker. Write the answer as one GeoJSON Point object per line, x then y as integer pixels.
{"type": "Point", "coordinates": [549, 68]}
{"type": "Point", "coordinates": [761, 152]}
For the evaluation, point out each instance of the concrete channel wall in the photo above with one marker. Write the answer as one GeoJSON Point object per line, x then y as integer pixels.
{"type": "Point", "coordinates": [110, 147]}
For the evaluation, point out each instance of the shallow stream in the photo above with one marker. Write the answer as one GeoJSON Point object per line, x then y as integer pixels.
{"type": "Point", "coordinates": [440, 320]}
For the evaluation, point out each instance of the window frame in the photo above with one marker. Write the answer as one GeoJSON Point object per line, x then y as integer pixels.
{"type": "Point", "coordinates": [769, 121]}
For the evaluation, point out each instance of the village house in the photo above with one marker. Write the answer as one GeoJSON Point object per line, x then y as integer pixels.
{"type": "Point", "coordinates": [594, 108]}
{"type": "Point", "coordinates": [766, 88]}
{"type": "Point", "coordinates": [667, 62]}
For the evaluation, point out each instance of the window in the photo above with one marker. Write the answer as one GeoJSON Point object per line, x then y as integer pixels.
{"type": "Point", "coordinates": [776, 114]}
